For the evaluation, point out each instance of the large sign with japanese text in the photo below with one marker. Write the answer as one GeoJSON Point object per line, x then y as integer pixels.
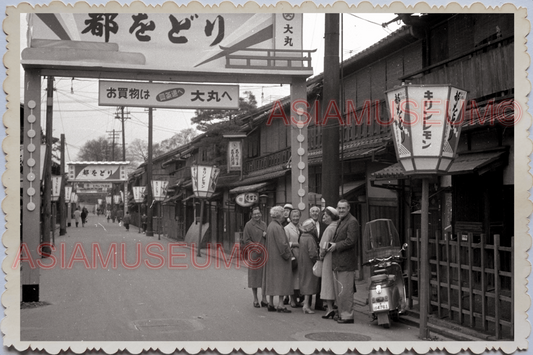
{"type": "Point", "coordinates": [143, 94]}
{"type": "Point", "coordinates": [95, 171]}
{"type": "Point", "coordinates": [239, 43]}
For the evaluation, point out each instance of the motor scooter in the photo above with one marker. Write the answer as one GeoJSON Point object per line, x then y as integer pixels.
{"type": "Point", "coordinates": [386, 289]}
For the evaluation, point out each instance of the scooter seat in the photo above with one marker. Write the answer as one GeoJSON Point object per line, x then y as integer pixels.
{"type": "Point", "coordinates": [378, 278]}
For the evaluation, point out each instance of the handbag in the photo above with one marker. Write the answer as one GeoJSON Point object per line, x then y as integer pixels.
{"type": "Point", "coordinates": [317, 268]}
{"type": "Point", "coordinates": [294, 261]}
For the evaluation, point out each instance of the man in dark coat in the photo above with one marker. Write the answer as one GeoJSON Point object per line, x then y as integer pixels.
{"type": "Point", "coordinates": [316, 216]}
{"type": "Point", "coordinates": [344, 260]}
{"type": "Point", "coordinates": [255, 233]}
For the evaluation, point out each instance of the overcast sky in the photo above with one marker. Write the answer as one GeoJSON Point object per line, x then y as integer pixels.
{"type": "Point", "coordinates": [78, 116]}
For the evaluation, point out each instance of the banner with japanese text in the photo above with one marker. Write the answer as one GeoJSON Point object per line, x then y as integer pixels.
{"type": "Point", "coordinates": [178, 42]}
{"type": "Point", "coordinates": [78, 172]}
{"type": "Point", "coordinates": [178, 95]}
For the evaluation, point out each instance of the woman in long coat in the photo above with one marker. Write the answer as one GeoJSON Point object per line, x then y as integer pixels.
{"type": "Point", "coordinates": [307, 257]}
{"type": "Point", "coordinates": [293, 234]}
{"type": "Point", "coordinates": [327, 288]}
{"type": "Point", "coordinates": [278, 269]}
{"type": "Point", "coordinates": [255, 233]}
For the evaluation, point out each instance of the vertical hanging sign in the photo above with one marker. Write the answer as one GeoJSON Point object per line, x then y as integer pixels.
{"type": "Point", "coordinates": [234, 156]}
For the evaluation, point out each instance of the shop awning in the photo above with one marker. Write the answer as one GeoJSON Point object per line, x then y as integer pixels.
{"type": "Point", "coordinates": [173, 199]}
{"type": "Point", "coordinates": [248, 188]}
{"type": "Point", "coordinates": [350, 187]}
{"type": "Point", "coordinates": [260, 178]}
{"type": "Point", "coordinates": [477, 163]}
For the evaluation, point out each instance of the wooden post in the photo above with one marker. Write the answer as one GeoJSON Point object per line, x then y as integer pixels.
{"type": "Point", "coordinates": [331, 95]}
{"type": "Point", "coordinates": [299, 150]}
{"type": "Point", "coordinates": [198, 252]}
{"type": "Point", "coordinates": [62, 206]}
{"type": "Point", "coordinates": [424, 264]}
{"type": "Point", "coordinates": [31, 198]}
{"type": "Point", "coordinates": [47, 173]}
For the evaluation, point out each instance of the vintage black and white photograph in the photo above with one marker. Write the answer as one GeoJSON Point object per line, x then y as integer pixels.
{"type": "Point", "coordinates": [282, 178]}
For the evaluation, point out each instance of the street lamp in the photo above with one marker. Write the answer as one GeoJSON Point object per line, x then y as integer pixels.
{"type": "Point", "coordinates": [159, 191]}
{"type": "Point", "coordinates": [204, 182]}
{"type": "Point", "coordinates": [138, 196]}
{"type": "Point", "coordinates": [426, 125]}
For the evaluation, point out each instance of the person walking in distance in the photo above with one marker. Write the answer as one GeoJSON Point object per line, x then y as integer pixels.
{"type": "Point", "coordinates": [255, 233]}
{"type": "Point", "coordinates": [144, 222]}
{"type": "Point", "coordinates": [344, 261]}
{"type": "Point", "coordinates": [77, 216]}
{"type": "Point", "coordinates": [83, 216]}
{"type": "Point", "coordinates": [127, 221]}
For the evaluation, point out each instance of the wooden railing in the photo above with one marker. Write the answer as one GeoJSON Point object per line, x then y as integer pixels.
{"type": "Point", "coordinates": [267, 161]}
{"type": "Point", "coordinates": [471, 280]}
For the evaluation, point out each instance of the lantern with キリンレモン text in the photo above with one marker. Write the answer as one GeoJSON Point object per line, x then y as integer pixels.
{"type": "Point", "coordinates": [204, 180]}
{"type": "Point", "coordinates": [426, 126]}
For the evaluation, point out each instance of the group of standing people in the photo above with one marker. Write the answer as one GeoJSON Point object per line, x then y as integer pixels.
{"type": "Point", "coordinates": [291, 250]}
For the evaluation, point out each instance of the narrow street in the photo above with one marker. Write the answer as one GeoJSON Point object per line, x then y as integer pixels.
{"type": "Point", "coordinates": [142, 303]}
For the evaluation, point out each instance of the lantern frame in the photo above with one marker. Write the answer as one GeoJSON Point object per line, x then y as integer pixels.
{"type": "Point", "coordinates": [159, 189]}
{"type": "Point", "coordinates": [138, 193]}
{"type": "Point", "coordinates": [426, 126]}
{"type": "Point", "coordinates": [204, 188]}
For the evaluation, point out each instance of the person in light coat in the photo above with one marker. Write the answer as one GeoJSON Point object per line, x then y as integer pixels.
{"type": "Point", "coordinates": [293, 233]}
{"type": "Point", "coordinates": [278, 269]}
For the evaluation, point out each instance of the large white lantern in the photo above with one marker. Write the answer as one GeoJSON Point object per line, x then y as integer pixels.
{"type": "Point", "coordinates": [56, 187]}
{"type": "Point", "coordinates": [108, 200]}
{"type": "Point", "coordinates": [138, 193]}
{"type": "Point", "coordinates": [426, 126]}
{"type": "Point", "coordinates": [159, 189]}
{"type": "Point", "coordinates": [68, 193]}
{"type": "Point", "coordinates": [204, 180]}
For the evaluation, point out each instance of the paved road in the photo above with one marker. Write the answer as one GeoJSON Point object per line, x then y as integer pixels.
{"type": "Point", "coordinates": [145, 303]}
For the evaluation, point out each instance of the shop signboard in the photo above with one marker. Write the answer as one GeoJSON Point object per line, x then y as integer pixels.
{"type": "Point", "coordinates": [234, 155]}
{"type": "Point", "coordinates": [169, 42]}
{"type": "Point", "coordinates": [247, 199]}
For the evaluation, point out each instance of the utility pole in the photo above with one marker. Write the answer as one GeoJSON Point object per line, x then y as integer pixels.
{"type": "Point", "coordinates": [112, 135]}
{"type": "Point", "coordinates": [62, 214]}
{"type": "Point", "coordinates": [47, 178]}
{"type": "Point", "coordinates": [149, 196]}
{"type": "Point", "coordinates": [122, 118]}
{"type": "Point", "coordinates": [330, 96]}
